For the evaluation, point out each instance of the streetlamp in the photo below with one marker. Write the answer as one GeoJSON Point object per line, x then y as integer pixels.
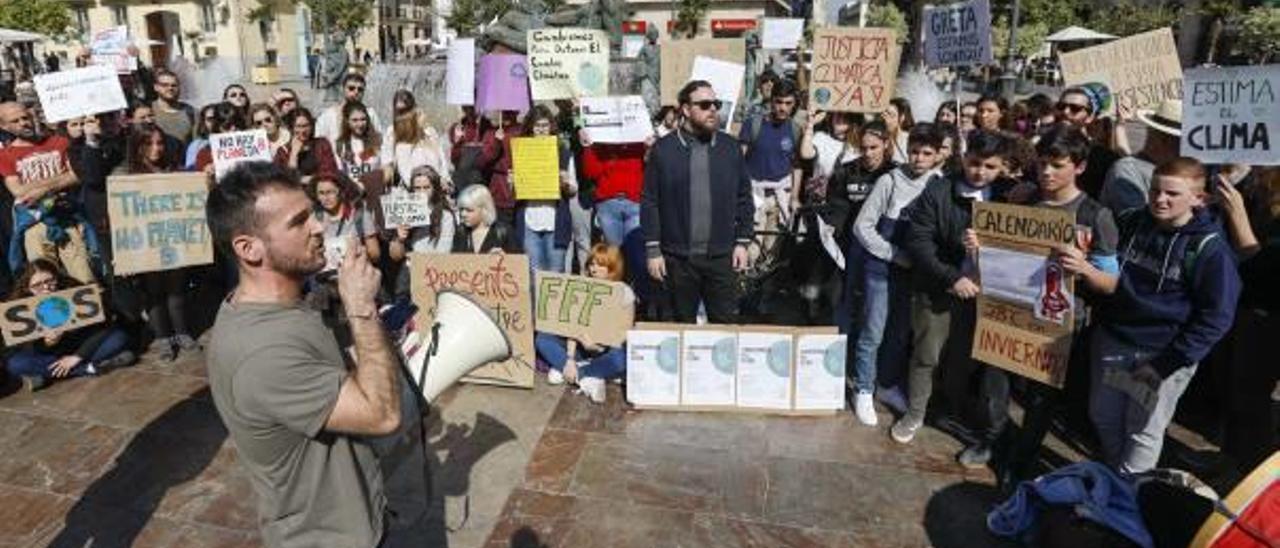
{"type": "Point", "coordinates": [1009, 78]}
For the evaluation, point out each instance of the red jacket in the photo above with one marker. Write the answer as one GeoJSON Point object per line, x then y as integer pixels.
{"type": "Point", "coordinates": [616, 169]}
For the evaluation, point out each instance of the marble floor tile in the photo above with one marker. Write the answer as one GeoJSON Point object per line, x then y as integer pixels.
{"type": "Point", "coordinates": [54, 455]}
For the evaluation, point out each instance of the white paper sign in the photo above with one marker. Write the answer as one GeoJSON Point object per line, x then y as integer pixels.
{"type": "Point", "coordinates": [460, 75]}
{"type": "Point", "coordinates": [1231, 114]}
{"type": "Point", "coordinates": [411, 209]}
{"type": "Point", "coordinates": [616, 119]}
{"type": "Point", "coordinates": [632, 44]}
{"type": "Point", "coordinates": [725, 79]}
{"type": "Point", "coordinates": [764, 370]}
{"type": "Point", "coordinates": [236, 147]}
{"type": "Point", "coordinates": [820, 371]}
{"type": "Point", "coordinates": [781, 33]}
{"type": "Point", "coordinates": [957, 35]}
{"type": "Point", "coordinates": [110, 47]}
{"type": "Point", "coordinates": [709, 367]}
{"type": "Point", "coordinates": [653, 367]}
{"type": "Point", "coordinates": [79, 92]}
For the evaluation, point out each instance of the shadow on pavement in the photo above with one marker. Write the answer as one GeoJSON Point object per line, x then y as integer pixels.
{"type": "Point", "coordinates": [956, 516]}
{"type": "Point", "coordinates": [451, 476]}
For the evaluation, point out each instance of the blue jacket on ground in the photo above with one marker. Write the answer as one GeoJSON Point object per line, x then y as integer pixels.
{"type": "Point", "coordinates": [1157, 306]}
{"type": "Point", "coordinates": [1092, 489]}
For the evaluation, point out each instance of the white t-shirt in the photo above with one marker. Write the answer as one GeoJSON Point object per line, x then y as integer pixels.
{"type": "Point", "coordinates": [408, 156]}
{"type": "Point", "coordinates": [829, 149]}
{"type": "Point", "coordinates": [362, 163]}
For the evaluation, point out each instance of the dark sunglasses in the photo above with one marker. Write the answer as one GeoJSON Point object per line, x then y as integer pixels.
{"type": "Point", "coordinates": [355, 88]}
{"type": "Point", "coordinates": [267, 120]}
{"type": "Point", "coordinates": [708, 104]}
{"type": "Point", "coordinates": [1071, 108]}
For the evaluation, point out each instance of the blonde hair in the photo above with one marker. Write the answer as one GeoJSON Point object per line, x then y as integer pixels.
{"type": "Point", "coordinates": [477, 197]}
{"type": "Point", "coordinates": [611, 259]}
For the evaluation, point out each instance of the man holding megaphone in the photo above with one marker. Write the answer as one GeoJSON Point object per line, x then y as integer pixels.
{"type": "Point", "coordinates": [297, 411]}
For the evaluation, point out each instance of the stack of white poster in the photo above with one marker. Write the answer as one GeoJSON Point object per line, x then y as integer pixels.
{"type": "Point", "coordinates": [653, 367]}
{"type": "Point", "coordinates": [820, 371]}
{"type": "Point", "coordinates": [710, 367]}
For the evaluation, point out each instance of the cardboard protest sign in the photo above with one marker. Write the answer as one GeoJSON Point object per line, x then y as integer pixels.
{"type": "Point", "coordinates": [502, 83]}
{"type": "Point", "coordinates": [616, 119]}
{"type": "Point", "coordinates": [499, 283]}
{"type": "Point", "coordinates": [958, 35]}
{"type": "Point", "coordinates": [709, 366]}
{"type": "Point", "coordinates": [1230, 113]}
{"type": "Point", "coordinates": [1026, 313]}
{"type": "Point", "coordinates": [411, 209]}
{"type": "Point", "coordinates": [232, 148]}
{"type": "Point", "coordinates": [110, 47]}
{"type": "Point", "coordinates": [582, 308]}
{"type": "Point", "coordinates": [725, 78]}
{"type": "Point", "coordinates": [781, 33]}
{"type": "Point", "coordinates": [677, 61]}
{"type": "Point", "coordinates": [79, 92]}
{"type": "Point", "coordinates": [158, 222]}
{"type": "Point", "coordinates": [567, 63]}
{"type": "Point", "coordinates": [460, 72]}
{"type": "Point", "coordinates": [854, 69]}
{"type": "Point", "coordinates": [820, 368]}
{"type": "Point", "coordinates": [1140, 70]}
{"type": "Point", "coordinates": [535, 167]}
{"type": "Point", "coordinates": [39, 316]}
{"type": "Point", "coordinates": [653, 365]}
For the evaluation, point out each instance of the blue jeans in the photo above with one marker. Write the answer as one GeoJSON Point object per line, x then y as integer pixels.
{"type": "Point", "coordinates": [542, 251]}
{"type": "Point", "coordinates": [885, 326]}
{"type": "Point", "coordinates": [31, 363]}
{"type": "Point", "coordinates": [609, 365]}
{"type": "Point", "coordinates": [618, 217]}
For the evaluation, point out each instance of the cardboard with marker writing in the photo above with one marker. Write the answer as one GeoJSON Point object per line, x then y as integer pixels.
{"type": "Point", "coordinates": [678, 56]}
{"type": "Point", "coordinates": [582, 307]}
{"type": "Point", "coordinates": [39, 316]}
{"type": "Point", "coordinates": [158, 222]}
{"type": "Point", "coordinates": [1141, 70]}
{"type": "Point", "coordinates": [854, 69]}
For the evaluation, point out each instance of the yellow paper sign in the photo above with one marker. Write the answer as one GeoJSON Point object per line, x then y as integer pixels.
{"type": "Point", "coordinates": [535, 166]}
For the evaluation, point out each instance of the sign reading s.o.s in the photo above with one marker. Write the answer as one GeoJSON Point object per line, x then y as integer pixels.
{"type": "Point", "coordinates": [42, 315]}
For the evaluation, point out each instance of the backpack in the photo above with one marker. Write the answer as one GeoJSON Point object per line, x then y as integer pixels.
{"type": "Point", "coordinates": [757, 126]}
{"type": "Point", "coordinates": [1130, 221]}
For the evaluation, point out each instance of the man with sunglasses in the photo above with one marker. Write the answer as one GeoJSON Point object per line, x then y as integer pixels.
{"type": "Point", "coordinates": [174, 117]}
{"type": "Point", "coordinates": [1081, 107]}
{"type": "Point", "coordinates": [330, 121]}
{"type": "Point", "coordinates": [696, 218]}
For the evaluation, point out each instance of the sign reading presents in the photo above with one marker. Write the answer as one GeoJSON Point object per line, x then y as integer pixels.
{"type": "Point", "coordinates": [409, 209]}
{"type": "Point", "coordinates": [567, 63]}
{"type": "Point", "coordinates": [500, 283]}
{"type": "Point", "coordinates": [958, 35]}
{"type": "Point", "coordinates": [79, 92]}
{"type": "Point", "coordinates": [677, 61]}
{"type": "Point", "coordinates": [854, 69]}
{"type": "Point", "coordinates": [583, 308]}
{"type": "Point", "coordinates": [43, 315]}
{"type": "Point", "coordinates": [236, 147]}
{"type": "Point", "coordinates": [1141, 70]}
{"type": "Point", "coordinates": [616, 119]}
{"type": "Point", "coordinates": [1230, 113]}
{"type": "Point", "coordinates": [158, 222]}
{"type": "Point", "coordinates": [1026, 313]}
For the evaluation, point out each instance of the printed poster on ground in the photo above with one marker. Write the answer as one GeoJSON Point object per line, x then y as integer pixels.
{"type": "Point", "coordinates": [1141, 70]}
{"type": "Point", "coordinates": [1229, 115]}
{"type": "Point", "coordinates": [567, 63]}
{"type": "Point", "coordinates": [854, 69]}
{"type": "Point", "coordinates": [653, 365]}
{"type": "Point", "coordinates": [158, 222]}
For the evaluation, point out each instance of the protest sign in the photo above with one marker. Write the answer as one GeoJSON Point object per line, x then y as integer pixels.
{"type": "Point", "coordinates": [725, 79]}
{"type": "Point", "coordinates": [653, 365]}
{"type": "Point", "coordinates": [535, 167]}
{"type": "Point", "coordinates": [460, 72]}
{"type": "Point", "coordinates": [500, 283]}
{"type": "Point", "coordinates": [39, 316]}
{"type": "Point", "coordinates": [709, 369]}
{"type": "Point", "coordinates": [110, 47]}
{"type": "Point", "coordinates": [616, 119]}
{"type": "Point", "coordinates": [583, 308]}
{"type": "Point", "coordinates": [958, 35]}
{"type": "Point", "coordinates": [820, 369]}
{"type": "Point", "coordinates": [79, 92]}
{"type": "Point", "coordinates": [854, 69]}
{"type": "Point", "coordinates": [237, 147]}
{"type": "Point", "coordinates": [1140, 70]}
{"type": "Point", "coordinates": [411, 209]}
{"type": "Point", "coordinates": [1026, 313]}
{"type": "Point", "coordinates": [567, 63]}
{"type": "Point", "coordinates": [158, 222]}
{"type": "Point", "coordinates": [764, 368]}
{"type": "Point", "coordinates": [1230, 113]}
{"type": "Point", "coordinates": [502, 83]}
{"type": "Point", "coordinates": [781, 33]}
{"type": "Point", "coordinates": [677, 61]}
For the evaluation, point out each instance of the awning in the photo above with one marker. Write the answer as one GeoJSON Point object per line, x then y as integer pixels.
{"type": "Point", "coordinates": [1078, 34]}
{"type": "Point", "coordinates": [10, 35]}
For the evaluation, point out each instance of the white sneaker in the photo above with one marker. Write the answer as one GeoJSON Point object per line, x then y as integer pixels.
{"type": "Point", "coordinates": [593, 387]}
{"type": "Point", "coordinates": [555, 377]}
{"type": "Point", "coordinates": [865, 409]}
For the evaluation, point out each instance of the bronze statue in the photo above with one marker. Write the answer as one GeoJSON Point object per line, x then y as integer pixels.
{"type": "Point", "coordinates": [333, 69]}
{"type": "Point", "coordinates": [648, 71]}
{"type": "Point", "coordinates": [511, 29]}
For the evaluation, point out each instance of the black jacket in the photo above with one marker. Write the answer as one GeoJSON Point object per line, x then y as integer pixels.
{"type": "Point", "coordinates": [664, 202]}
{"type": "Point", "coordinates": [500, 235]}
{"type": "Point", "coordinates": [935, 239]}
{"type": "Point", "coordinates": [847, 188]}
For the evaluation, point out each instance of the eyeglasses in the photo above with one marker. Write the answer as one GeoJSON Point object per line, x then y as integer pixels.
{"type": "Point", "coordinates": [708, 104]}
{"type": "Point", "coordinates": [48, 284]}
{"type": "Point", "coordinates": [264, 121]}
{"type": "Point", "coordinates": [1071, 108]}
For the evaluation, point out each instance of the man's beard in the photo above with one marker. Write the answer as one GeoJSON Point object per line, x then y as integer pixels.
{"type": "Point", "coordinates": [294, 264]}
{"type": "Point", "coordinates": [30, 135]}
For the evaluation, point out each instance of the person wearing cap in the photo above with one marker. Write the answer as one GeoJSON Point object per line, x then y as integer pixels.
{"type": "Point", "coordinates": [1129, 179]}
{"type": "Point", "coordinates": [1083, 107]}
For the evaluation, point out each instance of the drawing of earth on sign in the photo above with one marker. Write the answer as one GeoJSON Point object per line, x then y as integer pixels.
{"type": "Point", "coordinates": [822, 95]}
{"type": "Point", "coordinates": [591, 78]}
{"type": "Point", "coordinates": [780, 358]}
{"type": "Point", "coordinates": [724, 356]}
{"type": "Point", "coordinates": [668, 355]}
{"type": "Point", "coordinates": [519, 71]}
{"type": "Point", "coordinates": [833, 359]}
{"type": "Point", "coordinates": [53, 312]}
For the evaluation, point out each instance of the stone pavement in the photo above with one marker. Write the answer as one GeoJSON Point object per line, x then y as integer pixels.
{"type": "Point", "coordinates": [138, 457]}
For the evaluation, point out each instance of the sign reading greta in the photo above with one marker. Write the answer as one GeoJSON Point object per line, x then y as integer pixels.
{"type": "Point", "coordinates": [43, 315]}
{"type": "Point", "coordinates": [578, 307]}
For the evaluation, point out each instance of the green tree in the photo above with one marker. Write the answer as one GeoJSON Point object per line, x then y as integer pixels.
{"type": "Point", "coordinates": [1055, 15]}
{"type": "Point", "coordinates": [345, 17]}
{"type": "Point", "coordinates": [1029, 41]}
{"type": "Point", "coordinates": [1127, 17]}
{"type": "Point", "coordinates": [1218, 12]}
{"type": "Point", "coordinates": [689, 16]}
{"type": "Point", "coordinates": [48, 17]}
{"type": "Point", "coordinates": [466, 16]}
{"type": "Point", "coordinates": [890, 17]}
{"type": "Point", "coordinates": [1258, 35]}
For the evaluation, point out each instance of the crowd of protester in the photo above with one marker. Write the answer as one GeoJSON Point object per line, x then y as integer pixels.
{"type": "Point", "coordinates": [868, 216]}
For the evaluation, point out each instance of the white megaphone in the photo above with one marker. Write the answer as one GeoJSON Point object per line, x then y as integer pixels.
{"type": "Point", "coordinates": [461, 338]}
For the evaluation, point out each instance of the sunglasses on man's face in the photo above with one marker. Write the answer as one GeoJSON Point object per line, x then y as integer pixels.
{"type": "Point", "coordinates": [1071, 108]}
{"type": "Point", "coordinates": [355, 88]}
{"type": "Point", "coordinates": [264, 121]}
{"type": "Point", "coordinates": [708, 104]}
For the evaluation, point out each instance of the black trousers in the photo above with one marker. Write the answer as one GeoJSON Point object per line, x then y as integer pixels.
{"type": "Point", "coordinates": [702, 279]}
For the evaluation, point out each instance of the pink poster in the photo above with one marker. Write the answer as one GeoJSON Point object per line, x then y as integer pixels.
{"type": "Point", "coordinates": [502, 83]}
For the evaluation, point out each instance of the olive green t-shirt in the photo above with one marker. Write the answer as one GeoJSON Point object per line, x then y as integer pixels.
{"type": "Point", "coordinates": [275, 372]}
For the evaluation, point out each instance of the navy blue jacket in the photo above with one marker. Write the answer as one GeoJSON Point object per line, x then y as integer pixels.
{"type": "Point", "coordinates": [664, 201]}
{"type": "Point", "coordinates": [1178, 315]}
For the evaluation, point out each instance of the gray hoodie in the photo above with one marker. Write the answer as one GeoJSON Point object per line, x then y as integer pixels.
{"type": "Point", "coordinates": [892, 193]}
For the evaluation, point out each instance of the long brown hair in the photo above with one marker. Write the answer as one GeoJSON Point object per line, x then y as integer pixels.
{"type": "Point", "coordinates": [372, 140]}
{"type": "Point", "coordinates": [139, 140]}
{"type": "Point", "coordinates": [438, 201]}
{"type": "Point", "coordinates": [406, 126]}
{"type": "Point", "coordinates": [21, 289]}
